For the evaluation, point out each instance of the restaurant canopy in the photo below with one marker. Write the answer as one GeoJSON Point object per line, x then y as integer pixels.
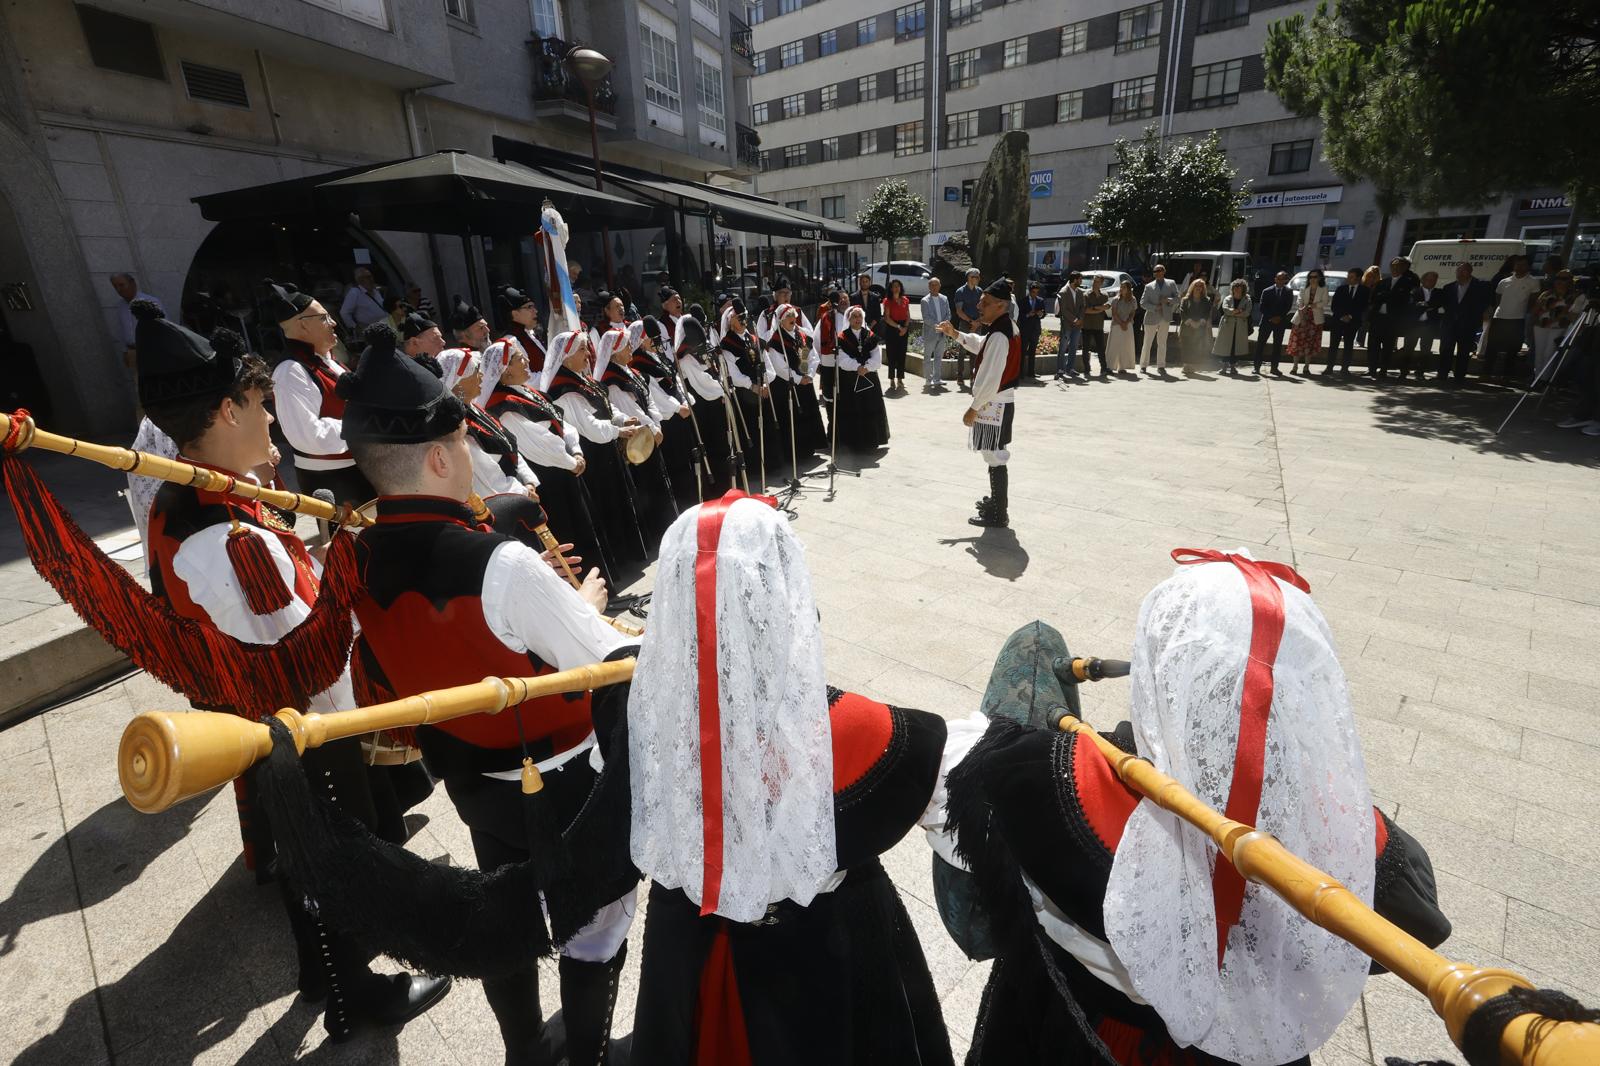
{"type": "Point", "coordinates": [446, 192]}
{"type": "Point", "coordinates": [734, 210]}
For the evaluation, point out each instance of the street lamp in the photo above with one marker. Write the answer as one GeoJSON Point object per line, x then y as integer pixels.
{"type": "Point", "coordinates": [590, 67]}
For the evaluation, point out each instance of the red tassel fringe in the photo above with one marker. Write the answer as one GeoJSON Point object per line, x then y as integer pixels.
{"type": "Point", "coordinates": [263, 587]}
{"type": "Point", "coordinates": [193, 657]}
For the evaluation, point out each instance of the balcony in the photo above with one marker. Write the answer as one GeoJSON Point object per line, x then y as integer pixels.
{"type": "Point", "coordinates": [557, 94]}
{"type": "Point", "coordinates": [739, 38]}
{"type": "Point", "coordinates": [747, 147]}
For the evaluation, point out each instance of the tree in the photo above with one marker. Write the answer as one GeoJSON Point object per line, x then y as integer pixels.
{"type": "Point", "coordinates": [1448, 101]}
{"type": "Point", "coordinates": [893, 211]}
{"type": "Point", "coordinates": [1179, 194]}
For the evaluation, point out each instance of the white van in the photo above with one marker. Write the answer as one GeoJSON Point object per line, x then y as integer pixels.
{"type": "Point", "coordinates": [1218, 268]}
{"type": "Point", "coordinates": [1443, 257]}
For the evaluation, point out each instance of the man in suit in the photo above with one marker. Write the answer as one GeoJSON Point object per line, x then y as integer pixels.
{"type": "Point", "coordinates": [1031, 326]}
{"type": "Point", "coordinates": [1276, 302]}
{"type": "Point", "coordinates": [1466, 305]}
{"type": "Point", "coordinates": [1349, 308]}
{"type": "Point", "coordinates": [1069, 308]}
{"type": "Point", "coordinates": [1393, 303]}
{"type": "Point", "coordinates": [1421, 327]}
{"type": "Point", "coordinates": [869, 301]}
{"type": "Point", "coordinates": [935, 309]}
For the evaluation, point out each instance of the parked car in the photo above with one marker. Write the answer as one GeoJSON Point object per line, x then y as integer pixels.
{"type": "Point", "coordinates": [1333, 277]}
{"type": "Point", "coordinates": [1218, 268]}
{"type": "Point", "coordinates": [1110, 280]}
{"type": "Point", "coordinates": [910, 273]}
{"type": "Point", "coordinates": [1486, 256]}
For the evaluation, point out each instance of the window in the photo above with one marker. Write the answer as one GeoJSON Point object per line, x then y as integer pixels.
{"type": "Point", "coordinates": [758, 113]}
{"type": "Point", "coordinates": [1011, 116]}
{"type": "Point", "coordinates": [908, 138]}
{"type": "Point", "coordinates": [660, 56]}
{"type": "Point", "coordinates": [1075, 38]}
{"type": "Point", "coordinates": [459, 9]}
{"type": "Point", "coordinates": [794, 155]}
{"type": "Point", "coordinates": [794, 105]}
{"type": "Point", "coordinates": [759, 61]}
{"type": "Point", "coordinates": [1016, 53]}
{"type": "Point", "coordinates": [756, 13]}
{"type": "Point", "coordinates": [372, 12]}
{"type": "Point", "coordinates": [833, 207]}
{"type": "Point", "coordinates": [961, 129]}
{"type": "Point", "coordinates": [830, 149]}
{"type": "Point", "coordinates": [830, 98]}
{"type": "Point", "coordinates": [866, 88]}
{"type": "Point", "coordinates": [867, 142]}
{"type": "Point", "coordinates": [910, 22]}
{"type": "Point", "coordinates": [1216, 84]}
{"type": "Point", "coordinates": [708, 94]}
{"type": "Point", "coordinates": [1444, 229]}
{"type": "Point", "coordinates": [827, 42]}
{"type": "Point", "coordinates": [122, 44]}
{"type": "Point", "coordinates": [1139, 27]}
{"type": "Point", "coordinates": [1113, 170]}
{"type": "Point", "coordinates": [963, 69]}
{"type": "Point", "coordinates": [1222, 15]}
{"type": "Point", "coordinates": [795, 205]}
{"type": "Point", "coordinates": [866, 31]}
{"type": "Point", "coordinates": [547, 18]}
{"type": "Point", "coordinates": [963, 12]}
{"type": "Point", "coordinates": [1133, 98]}
{"type": "Point", "coordinates": [1290, 157]}
{"type": "Point", "coordinates": [1069, 106]}
{"type": "Point", "coordinates": [908, 81]}
{"type": "Point", "coordinates": [786, 6]}
{"type": "Point", "coordinates": [792, 54]}
{"type": "Point", "coordinates": [712, 6]}
{"type": "Point", "coordinates": [764, 159]}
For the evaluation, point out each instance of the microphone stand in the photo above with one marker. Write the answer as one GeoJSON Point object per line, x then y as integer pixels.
{"type": "Point", "coordinates": [735, 452]}
{"type": "Point", "coordinates": [1589, 318]}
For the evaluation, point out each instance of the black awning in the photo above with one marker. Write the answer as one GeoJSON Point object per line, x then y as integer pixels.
{"type": "Point", "coordinates": [741, 211]}
{"type": "Point", "coordinates": [276, 200]}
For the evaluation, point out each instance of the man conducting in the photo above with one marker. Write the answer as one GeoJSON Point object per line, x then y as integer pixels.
{"type": "Point", "coordinates": [996, 369]}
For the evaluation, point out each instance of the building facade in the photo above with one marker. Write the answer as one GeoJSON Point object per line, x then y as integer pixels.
{"type": "Point", "coordinates": [847, 95]}
{"type": "Point", "coordinates": [113, 116]}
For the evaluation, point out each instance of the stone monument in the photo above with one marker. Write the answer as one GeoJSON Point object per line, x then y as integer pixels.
{"type": "Point", "coordinates": [997, 221]}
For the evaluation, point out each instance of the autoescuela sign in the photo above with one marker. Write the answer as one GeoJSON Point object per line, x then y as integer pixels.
{"type": "Point", "coordinates": [1327, 194]}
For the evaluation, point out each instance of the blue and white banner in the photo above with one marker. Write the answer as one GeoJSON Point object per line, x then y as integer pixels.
{"type": "Point", "coordinates": [565, 317]}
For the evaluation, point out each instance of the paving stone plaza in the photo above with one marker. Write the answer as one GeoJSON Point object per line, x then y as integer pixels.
{"type": "Point", "coordinates": [1459, 574]}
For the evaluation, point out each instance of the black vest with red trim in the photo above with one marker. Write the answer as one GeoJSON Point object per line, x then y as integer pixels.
{"type": "Point", "coordinates": [885, 767]}
{"type": "Point", "coordinates": [859, 346]}
{"type": "Point", "coordinates": [1013, 371]}
{"type": "Point", "coordinates": [178, 512]}
{"type": "Point", "coordinates": [746, 356]}
{"type": "Point", "coordinates": [493, 438]}
{"type": "Point", "coordinates": [423, 627]}
{"type": "Point", "coordinates": [792, 349]}
{"type": "Point", "coordinates": [629, 381]}
{"type": "Point", "coordinates": [568, 381]}
{"type": "Point", "coordinates": [531, 345]}
{"type": "Point", "coordinates": [534, 406]}
{"type": "Point", "coordinates": [651, 366]}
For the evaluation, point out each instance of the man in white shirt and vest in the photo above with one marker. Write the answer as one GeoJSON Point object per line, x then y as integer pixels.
{"type": "Point", "coordinates": [996, 370]}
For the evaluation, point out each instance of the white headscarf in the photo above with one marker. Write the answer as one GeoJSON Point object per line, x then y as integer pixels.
{"type": "Point", "coordinates": [723, 324]}
{"type": "Point", "coordinates": [772, 717]}
{"type": "Point", "coordinates": [613, 339]}
{"type": "Point", "coordinates": [457, 363]}
{"type": "Point", "coordinates": [560, 351]}
{"type": "Point", "coordinates": [496, 358]}
{"type": "Point", "coordinates": [1285, 984]}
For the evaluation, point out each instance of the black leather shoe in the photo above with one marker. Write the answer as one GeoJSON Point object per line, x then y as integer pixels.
{"type": "Point", "coordinates": [398, 999]}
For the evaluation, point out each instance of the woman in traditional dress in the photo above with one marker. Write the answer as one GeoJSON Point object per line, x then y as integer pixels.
{"type": "Point", "coordinates": [630, 393]}
{"type": "Point", "coordinates": [794, 356]}
{"type": "Point", "coordinates": [751, 378]}
{"type": "Point", "coordinates": [863, 419]}
{"type": "Point", "coordinates": [497, 465]}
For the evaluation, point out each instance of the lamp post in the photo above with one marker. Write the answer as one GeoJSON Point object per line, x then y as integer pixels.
{"type": "Point", "coordinates": [590, 67]}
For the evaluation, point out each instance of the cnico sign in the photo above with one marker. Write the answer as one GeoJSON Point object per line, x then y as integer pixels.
{"type": "Point", "coordinates": [1041, 183]}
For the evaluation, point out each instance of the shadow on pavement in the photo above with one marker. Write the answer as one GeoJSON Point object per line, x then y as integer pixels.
{"type": "Point", "coordinates": [1469, 416]}
{"type": "Point", "coordinates": [997, 550]}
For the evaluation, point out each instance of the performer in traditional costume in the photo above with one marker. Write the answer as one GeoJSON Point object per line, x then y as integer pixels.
{"type": "Point", "coordinates": [523, 312]}
{"type": "Point", "coordinates": [447, 602]}
{"type": "Point", "coordinates": [422, 341]}
{"type": "Point", "coordinates": [497, 464]}
{"type": "Point", "coordinates": [553, 449]}
{"type": "Point", "coordinates": [680, 448]}
{"type": "Point", "coordinates": [761, 802]}
{"type": "Point", "coordinates": [751, 377]}
{"type": "Point", "coordinates": [1118, 931]}
{"type": "Point", "coordinates": [831, 321]}
{"type": "Point", "coordinates": [793, 355]}
{"type": "Point", "coordinates": [631, 394]}
{"type": "Point", "coordinates": [699, 364]}
{"type": "Point", "coordinates": [863, 418]}
{"type": "Point", "coordinates": [996, 369]}
{"type": "Point", "coordinates": [585, 405]}
{"type": "Point", "coordinates": [238, 566]}
{"type": "Point", "coordinates": [468, 328]}
{"type": "Point", "coordinates": [767, 321]}
{"type": "Point", "coordinates": [308, 407]}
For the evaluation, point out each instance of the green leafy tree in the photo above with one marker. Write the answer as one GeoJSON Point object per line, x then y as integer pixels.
{"type": "Point", "coordinates": [1448, 102]}
{"type": "Point", "coordinates": [1168, 196]}
{"type": "Point", "coordinates": [893, 212]}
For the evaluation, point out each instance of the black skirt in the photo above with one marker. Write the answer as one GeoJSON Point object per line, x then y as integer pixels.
{"type": "Point", "coordinates": [809, 430]}
{"type": "Point", "coordinates": [613, 502]}
{"type": "Point", "coordinates": [566, 503]}
{"type": "Point", "coordinates": [863, 418]}
{"type": "Point", "coordinates": [712, 418]}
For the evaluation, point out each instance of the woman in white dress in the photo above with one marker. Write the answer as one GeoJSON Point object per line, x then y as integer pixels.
{"type": "Point", "coordinates": [1119, 331]}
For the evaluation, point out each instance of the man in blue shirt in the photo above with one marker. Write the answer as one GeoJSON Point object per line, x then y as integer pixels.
{"type": "Point", "coordinates": [964, 307]}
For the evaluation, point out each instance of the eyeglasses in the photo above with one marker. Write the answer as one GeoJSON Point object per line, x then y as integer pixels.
{"type": "Point", "coordinates": [313, 316]}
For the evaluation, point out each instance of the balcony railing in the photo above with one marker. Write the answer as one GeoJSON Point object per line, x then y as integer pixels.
{"type": "Point", "coordinates": [739, 37]}
{"type": "Point", "coordinates": [552, 81]}
{"type": "Point", "coordinates": [748, 144]}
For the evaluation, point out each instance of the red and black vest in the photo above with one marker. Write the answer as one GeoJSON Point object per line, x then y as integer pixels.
{"type": "Point", "coordinates": [568, 381]}
{"type": "Point", "coordinates": [791, 348]}
{"type": "Point", "coordinates": [321, 376]}
{"type": "Point", "coordinates": [651, 365]}
{"type": "Point", "coordinates": [741, 347]}
{"type": "Point", "coordinates": [423, 628]}
{"type": "Point", "coordinates": [534, 406]}
{"type": "Point", "coordinates": [180, 511]}
{"type": "Point", "coordinates": [827, 339]}
{"type": "Point", "coordinates": [1013, 371]}
{"type": "Point", "coordinates": [531, 345]}
{"type": "Point", "coordinates": [629, 380]}
{"type": "Point", "coordinates": [493, 438]}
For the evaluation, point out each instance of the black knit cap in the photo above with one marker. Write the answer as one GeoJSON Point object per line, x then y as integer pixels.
{"type": "Point", "coordinates": [282, 301]}
{"type": "Point", "coordinates": [177, 363]}
{"type": "Point", "coordinates": [665, 293]}
{"type": "Point", "coordinates": [512, 298]}
{"type": "Point", "coordinates": [999, 288]}
{"type": "Point", "coordinates": [390, 399]}
{"type": "Point", "coordinates": [415, 325]}
{"type": "Point", "coordinates": [691, 331]}
{"type": "Point", "coordinates": [697, 313]}
{"type": "Point", "coordinates": [463, 314]}
{"type": "Point", "coordinates": [781, 283]}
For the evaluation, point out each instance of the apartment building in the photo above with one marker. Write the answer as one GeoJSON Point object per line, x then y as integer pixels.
{"type": "Point", "coordinates": [845, 96]}
{"type": "Point", "coordinates": [115, 115]}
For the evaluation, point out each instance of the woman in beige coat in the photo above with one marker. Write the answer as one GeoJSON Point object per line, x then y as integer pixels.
{"type": "Point", "coordinates": [1233, 333]}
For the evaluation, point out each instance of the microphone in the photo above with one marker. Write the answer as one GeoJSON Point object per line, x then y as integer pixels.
{"type": "Point", "coordinates": [1075, 671]}
{"type": "Point", "coordinates": [326, 496]}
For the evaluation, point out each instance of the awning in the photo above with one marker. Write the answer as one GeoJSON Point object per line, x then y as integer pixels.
{"type": "Point", "coordinates": [735, 210]}
{"type": "Point", "coordinates": [446, 192]}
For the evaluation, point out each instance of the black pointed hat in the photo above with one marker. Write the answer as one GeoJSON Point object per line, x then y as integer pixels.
{"type": "Point", "coordinates": [999, 288]}
{"type": "Point", "coordinates": [463, 314]}
{"type": "Point", "coordinates": [697, 313]}
{"type": "Point", "coordinates": [177, 363]}
{"type": "Point", "coordinates": [415, 324]}
{"type": "Point", "coordinates": [512, 298]}
{"type": "Point", "coordinates": [665, 293]}
{"type": "Point", "coordinates": [691, 332]}
{"type": "Point", "coordinates": [390, 399]}
{"type": "Point", "coordinates": [283, 301]}
{"type": "Point", "coordinates": [781, 282]}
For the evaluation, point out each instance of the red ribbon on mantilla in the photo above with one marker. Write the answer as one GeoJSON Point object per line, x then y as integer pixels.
{"type": "Point", "coordinates": [1249, 758]}
{"type": "Point", "coordinates": [709, 534]}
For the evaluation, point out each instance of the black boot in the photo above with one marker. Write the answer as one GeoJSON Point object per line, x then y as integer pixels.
{"type": "Point", "coordinates": [588, 996]}
{"type": "Point", "coordinates": [528, 1039]}
{"type": "Point", "coordinates": [357, 998]}
{"type": "Point", "coordinates": [992, 509]}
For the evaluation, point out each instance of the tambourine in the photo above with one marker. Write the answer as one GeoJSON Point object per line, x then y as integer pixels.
{"type": "Point", "coordinates": [640, 447]}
